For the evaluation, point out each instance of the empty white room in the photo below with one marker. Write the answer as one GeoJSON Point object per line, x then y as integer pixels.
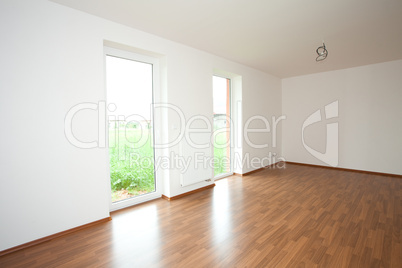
{"type": "Point", "coordinates": [151, 133]}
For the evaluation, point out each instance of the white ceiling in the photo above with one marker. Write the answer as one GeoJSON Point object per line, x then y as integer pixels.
{"type": "Point", "coordinates": [276, 36]}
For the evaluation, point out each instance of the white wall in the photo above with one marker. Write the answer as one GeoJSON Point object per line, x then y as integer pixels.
{"type": "Point", "coordinates": [370, 128]}
{"type": "Point", "coordinates": [265, 101]}
{"type": "Point", "coordinates": [52, 60]}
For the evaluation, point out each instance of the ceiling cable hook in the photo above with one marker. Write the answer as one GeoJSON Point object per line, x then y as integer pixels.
{"type": "Point", "coordinates": [322, 52]}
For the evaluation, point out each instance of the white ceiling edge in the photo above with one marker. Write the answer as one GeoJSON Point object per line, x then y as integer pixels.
{"type": "Point", "coordinates": [277, 37]}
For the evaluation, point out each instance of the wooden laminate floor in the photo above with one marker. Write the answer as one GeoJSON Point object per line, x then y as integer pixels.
{"type": "Point", "coordinates": [294, 217]}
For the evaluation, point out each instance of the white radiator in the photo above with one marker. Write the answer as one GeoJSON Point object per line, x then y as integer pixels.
{"type": "Point", "coordinates": [199, 160]}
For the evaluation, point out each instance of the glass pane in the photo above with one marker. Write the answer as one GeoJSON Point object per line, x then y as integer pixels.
{"type": "Point", "coordinates": [221, 95]}
{"type": "Point", "coordinates": [131, 155]}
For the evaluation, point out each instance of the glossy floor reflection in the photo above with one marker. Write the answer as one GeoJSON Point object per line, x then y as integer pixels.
{"type": "Point", "coordinates": [298, 216]}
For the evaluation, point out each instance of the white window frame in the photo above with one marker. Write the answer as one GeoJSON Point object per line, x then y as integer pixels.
{"type": "Point", "coordinates": [156, 122]}
{"type": "Point", "coordinates": [231, 153]}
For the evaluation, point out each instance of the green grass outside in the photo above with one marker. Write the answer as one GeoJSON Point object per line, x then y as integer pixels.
{"type": "Point", "coordinates": [220, 155]}
{"type": "Point", "coordinates": [128, 169]}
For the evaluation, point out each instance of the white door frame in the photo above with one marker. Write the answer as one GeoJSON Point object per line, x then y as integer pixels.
{"type": "Point", "coordinates": [156, 124]}
{"type": "Point", "coordinates": [224, 175]}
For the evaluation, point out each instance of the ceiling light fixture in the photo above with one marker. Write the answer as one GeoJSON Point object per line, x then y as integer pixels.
{"type": "Point", "coordinates": [322, 52]}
